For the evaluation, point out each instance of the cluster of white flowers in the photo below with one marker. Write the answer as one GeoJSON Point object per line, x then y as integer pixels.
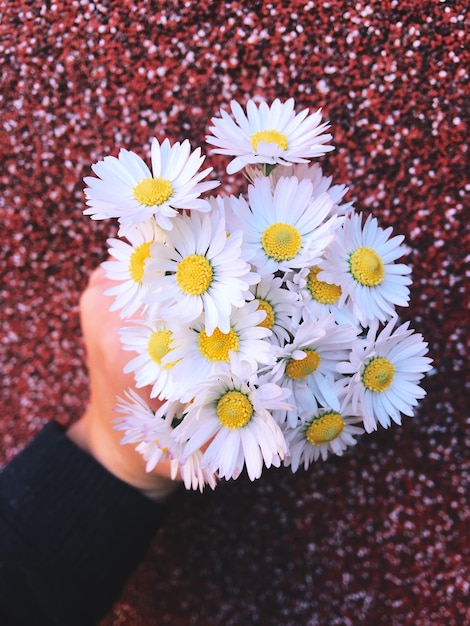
{"type": "Point", "coordinates": [264, 325]}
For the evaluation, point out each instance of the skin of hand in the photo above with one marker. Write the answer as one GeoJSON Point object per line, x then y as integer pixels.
{"type": "Point", "coordinates": [93, 432]}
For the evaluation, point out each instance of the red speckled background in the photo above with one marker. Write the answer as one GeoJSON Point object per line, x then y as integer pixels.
{"type": "Point", "coordinates": [381, 535]}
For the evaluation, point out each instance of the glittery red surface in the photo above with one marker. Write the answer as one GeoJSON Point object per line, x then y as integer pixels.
{"type": "Point", "coordinates": [381, 535]}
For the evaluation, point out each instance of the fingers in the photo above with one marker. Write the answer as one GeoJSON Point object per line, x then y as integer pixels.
{"type": "Point", "coordinates": [100, 328]}
{"type": "Point", "coordinates": [106, 361]}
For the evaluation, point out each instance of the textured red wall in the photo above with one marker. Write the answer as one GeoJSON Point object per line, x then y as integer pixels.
{"type": "Point", "coordinates": [379, 536]}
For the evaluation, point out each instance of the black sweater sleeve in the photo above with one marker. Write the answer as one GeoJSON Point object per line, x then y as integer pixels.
{"type": "Point", "coordinates": [70, 534]}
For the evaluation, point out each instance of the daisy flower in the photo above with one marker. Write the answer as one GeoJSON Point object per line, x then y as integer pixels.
{"type": "Point", "coordinates": [151, 340]}
{"type": "Point", "coordinates": [284, 228]}
{"type": "Point", "coordinates": [361, 261]}
{"type": "Point", "coordinates": [319, 298]}
{"type": "Point", "coordinates": [320, 183]}
{"type": "Point", "coordinates": [143, 425]}
{"type": "Point", "coordinates": [125, 188]}
{"type": "Point", "coordinates": [199, 270]}
{"type": "Point", "coordinates": [385, 370]}
{"type": "Point", "coordinates": [234, 418]}
{"type": "Point", "coordinates": [268, 134]}
{"type": "Point", "coordinates": [153, 432]}
{"type": "Point", "coordinates": [320, 432]}
{"type": "Point", "coordinates": [279, 305]}
{"type": "Point", "coordinates": [308, 365]}
{"type": "Point", "coordinates": [129, 266]}
{"type": "Point", "coordinates": [199, 355]}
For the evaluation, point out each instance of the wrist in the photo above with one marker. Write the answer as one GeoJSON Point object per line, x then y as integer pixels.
{"type": "Point", "coordinates": [122, 461]}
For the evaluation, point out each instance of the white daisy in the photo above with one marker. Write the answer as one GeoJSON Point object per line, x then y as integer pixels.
{"type": "Point", "coordinates": [129, 266]}
{"type": "Point", "coordinates": [313, 173]}
{"type": "Point", "coordinates": [234, 418]}
{"type": "Point", "coordinates": [153, 432]}
{"type": "Point", "coordinates": [126, 189]}
{"type": "Point", "coordinates": [308, 365]}
{"type": "Point", "coordinates": [361, 261]}
{"type": "Point", "coordinates": [320, 432]}
{"type": "Point", "coordinates": [151, 340]}
{"type": "Point", "coordinates": [268, 134]}
{"type": "Point", "coordinates": [279, 305]}
{"type": "Point", "coordinates": [142, 425]}
{"type": "Point", "coordinates": [200, 355]}
{"type": "Point", "coordinates": [284, 228]}
{"type": "Point", "coordinates": [318, 298]}
{"type": "Point", "coordinates": [199, 270]}
{"type": "Point", "coordinates": [385, 370]}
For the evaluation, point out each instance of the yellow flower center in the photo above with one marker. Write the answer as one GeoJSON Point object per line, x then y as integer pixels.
{"type": "Point", "coordinates": [216, 347]}
{"type": "Point", "coordinates": [137, 261]}
{"type": "Point", "coordinates": [194, 274]}
{"type": "Point", "coordinates": [367, 267]}
{"type": "Point", "coordinates": [324, 428]}
{"type": "Point", "coordinates": [234, 409]}
{"type": "Point", "coordinates": [324, 293]}
{"type": "Point", "coordinates": [152, 191]}
{"type": "Point", "coordinates": [281, 242]}
{"type": "Point", "coordinates": [268, 322]}
{"type": "Point", "coordinates": [298, 369]}
{"type": "Point", "coordinates": [378, 374]}
{"type": "Point", "coordinates": [158, 346]}
{"type": "Point", "coordinates": [269, 136]}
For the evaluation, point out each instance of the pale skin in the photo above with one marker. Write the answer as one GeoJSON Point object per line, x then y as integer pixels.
{"type": "Point", "coordinates": [93, 432]}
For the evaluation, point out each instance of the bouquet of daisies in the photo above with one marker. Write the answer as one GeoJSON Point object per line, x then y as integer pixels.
{"type": "Point", "coordinates": [264, 324]}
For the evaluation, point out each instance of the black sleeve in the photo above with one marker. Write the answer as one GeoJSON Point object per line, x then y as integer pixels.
{"type": "Point", "coordinates": [70, 534]}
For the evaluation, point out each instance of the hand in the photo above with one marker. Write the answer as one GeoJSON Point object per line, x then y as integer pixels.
{"type": "Point", "coordinates": [93, 432]}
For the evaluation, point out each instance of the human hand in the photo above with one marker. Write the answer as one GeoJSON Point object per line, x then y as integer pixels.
{"type": "Point", "coordinates": [106, 359]}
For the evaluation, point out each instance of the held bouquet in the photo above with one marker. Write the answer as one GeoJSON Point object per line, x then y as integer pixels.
{"type": "Point", "coordinates": [263, 324]}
